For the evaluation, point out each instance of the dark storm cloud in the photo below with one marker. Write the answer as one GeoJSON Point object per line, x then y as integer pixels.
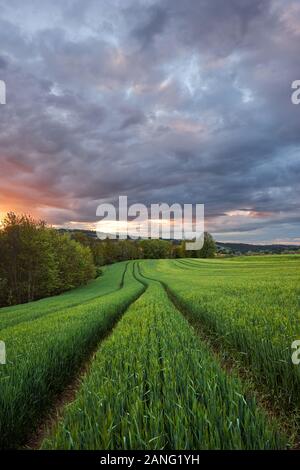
{"type": "Point", "coordinates": [154, 24]}
{"type": "Point", "coordinates": [160, 100]}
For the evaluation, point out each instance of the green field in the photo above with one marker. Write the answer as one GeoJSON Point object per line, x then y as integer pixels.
{"type": "Point", "coordinates": [198, 357]}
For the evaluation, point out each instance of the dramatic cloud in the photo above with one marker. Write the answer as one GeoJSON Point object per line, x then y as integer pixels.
{"type": "Point", "coordinates": [163, 101]}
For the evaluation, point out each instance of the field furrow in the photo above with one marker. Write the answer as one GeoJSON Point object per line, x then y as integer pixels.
{"type": "Point", "coordinates": [154, 384]}
{"type": "Point", "coordinates": [45, 354]}
{"type": "Point", "coordinates": [111, 281]}
{"type": "Point", "coordinates": [251, 306]}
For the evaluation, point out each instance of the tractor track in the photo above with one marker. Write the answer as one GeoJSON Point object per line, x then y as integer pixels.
{"type": "Point", "coordinates": [68, 395]}
{"type": "Point", "coordinates": [232, 365]}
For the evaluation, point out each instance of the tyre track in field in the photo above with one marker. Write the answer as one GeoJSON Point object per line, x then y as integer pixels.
{"type": "Point", "coordinates": [229, 361]}
{"type": "Point", "coordinates": [189, 264]}
{"type": "Point", "coordinates": [69, 393]}
{"type": "Point", "coordinates": [183, 264]}
{"type": "Point", "coordinates": [70, 306]}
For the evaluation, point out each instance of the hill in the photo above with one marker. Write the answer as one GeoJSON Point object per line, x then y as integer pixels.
{"type": "Point", "coordinates": [242, 248]}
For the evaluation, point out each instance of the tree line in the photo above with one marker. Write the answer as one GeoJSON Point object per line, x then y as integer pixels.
{"type": "Point", "coordinates": [37, 261]}
{"type": "Point", "coordinates": [110, 251]}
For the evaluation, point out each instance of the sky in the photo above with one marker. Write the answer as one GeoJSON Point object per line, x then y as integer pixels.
{"type": "Point", "coordinates": [163, 101]}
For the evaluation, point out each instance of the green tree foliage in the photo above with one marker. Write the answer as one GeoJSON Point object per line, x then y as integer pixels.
{"type": "Point", "coordinates": [110, 251]}
{"type": "Point", "coordinates": [207, 251]}
{"type": "Point", "coordinates": [155, 249]}
{"type": "Point", "coordinates": [209, 248]}
{"type": "Point", "coordinates": [37, 261]}
{"type": "Point", "coordinates": [75, 262]}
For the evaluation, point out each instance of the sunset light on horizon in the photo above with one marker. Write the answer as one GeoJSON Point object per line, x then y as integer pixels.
{"type": "Point", "coordinates": [144, 99]}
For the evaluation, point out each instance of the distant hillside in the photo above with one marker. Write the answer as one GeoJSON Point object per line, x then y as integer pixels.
{"type": "Point", "coordinates": [247, 247]}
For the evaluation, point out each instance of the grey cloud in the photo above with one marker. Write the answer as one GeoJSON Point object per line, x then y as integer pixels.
{"type": "Point", "coordinates": [176, 101]}
{"type": "Point", "coordinates": [156, 20]}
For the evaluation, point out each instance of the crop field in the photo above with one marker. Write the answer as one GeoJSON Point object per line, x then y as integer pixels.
{"type": "Point", "coordinates": [167, 354]}
{"type": "Point", "coordinates": [44, 354]}
{"type": "Point", "coordinates": [251, 305]}
{"type": "Point", "coordinates": [110, 282]}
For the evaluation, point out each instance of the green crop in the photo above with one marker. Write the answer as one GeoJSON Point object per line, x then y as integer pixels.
{"type": "Point", "coordinates": [252, 306]}
{"type": "Point", "coordinates": [109, 282]}
{"type": "Point", "coordinates": [44, 355]}
{"type": "Point", "coordinates": [154, 385]}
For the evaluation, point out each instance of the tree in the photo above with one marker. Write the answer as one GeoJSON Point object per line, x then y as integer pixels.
{"type": "Point", "coordinates": [74, 262]}
{"type": "Point", "coordinates": [209, 247]}
{"type": "Point", "coordinates": [37, 261]}
{"type": "Point", "coordinates": [27, 261]}
{"type": "Point", "coordinates": [207, 251]}
{"type": "Point", "coordinates": [155, 249]}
